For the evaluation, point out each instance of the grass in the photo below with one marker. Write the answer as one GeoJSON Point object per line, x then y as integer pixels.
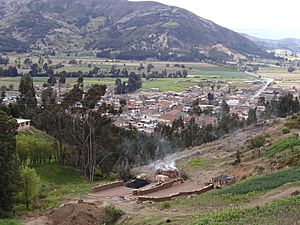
{"type": "Point", "coordinates": [280, 212]}
{"type": "Point", "coordinates": [171, 84]}
{"type": "Point", "coordinates": [8, 222]}
{"type": "Point", "coordinates": [205, 203]}
{"type": "Point", "coordinates": [110, 215]}
{"type": "Point", "coordinates": [60, 184]}
{"type": "Point", "coordinates": [282, 146]}
{"type": "Point", "coordinates": [264, 182]}
{"type": "Point", "coordinates": [204, 163]}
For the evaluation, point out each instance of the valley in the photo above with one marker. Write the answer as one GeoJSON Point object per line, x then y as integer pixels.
{"type": "Point", "coordinates": [137, 112]}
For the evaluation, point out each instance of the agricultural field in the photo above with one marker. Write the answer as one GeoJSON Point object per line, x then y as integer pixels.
{"type": "Point", "coordinates": [282, 77]}
{"type": "Point", "coordinates": [281, 212]}
{"type": "Point", "coordinates": [198, 72]}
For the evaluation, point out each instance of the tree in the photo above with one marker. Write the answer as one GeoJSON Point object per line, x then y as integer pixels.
{"type": "Point", "coordinates": [52, 80]}
{"type": "Point", "coordinates": [3, 60]}
{"type": "Point", "coordinates": [3, 93]}
{"type": "Point", "coordinates": [62, 78]}
{"type": "Point", "coordinates": [149, 67]}
{"type": "Point", "coordinates": [123, 102]}
{"type": "Point", "coordinates": [225, 108]}
{"type": "Point", "coordinates": [30, 185]}
{"type": "Point", "coordinates": [251, 116]}
{"type": "Point", "coordinates": [291, 69]}
{"type": "Point", "coordinates": [27, 99]}
{"type": "Point", "coordinates": [9, 166]}
{"type": "Point", "coordinates": [257, 142]}
{"type": "Point", "coordinates": [93, 95]}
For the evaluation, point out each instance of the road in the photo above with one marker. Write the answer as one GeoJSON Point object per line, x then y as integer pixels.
{"type": "Point", "coordinates": [267, 80]}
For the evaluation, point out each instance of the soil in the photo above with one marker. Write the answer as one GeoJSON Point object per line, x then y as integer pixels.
{"type": "Point", "coordinates": [76, 214]}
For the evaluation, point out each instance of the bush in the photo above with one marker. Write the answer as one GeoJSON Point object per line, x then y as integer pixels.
{"type": "Point", "coordinates": [165, 205]}
{"type": "Point", "coordinates": [185, 175]}
{"type": "Point", "coordinates": [286, 130]}
{"type": "Point", "coordinates": [111, 215]}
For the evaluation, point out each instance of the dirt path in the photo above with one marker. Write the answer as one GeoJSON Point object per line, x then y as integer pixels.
{"type": "Point", "coordinates": [272, 196]}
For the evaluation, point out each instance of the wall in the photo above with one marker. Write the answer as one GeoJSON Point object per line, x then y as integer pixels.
{"type": "Point", "coordinates": [107, 186]}
{"type": "Point", "coordinates": [167, 198]}
{"type": "Point", "coordinates": [157, 188]}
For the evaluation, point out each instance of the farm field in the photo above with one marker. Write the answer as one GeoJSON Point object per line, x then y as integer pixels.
{"type": "Point", "coordinates": [282, 77]}
{"type": "Point", "coordinates": [198, 72]}
{"type": "Point", "coordinates": [163, 84]}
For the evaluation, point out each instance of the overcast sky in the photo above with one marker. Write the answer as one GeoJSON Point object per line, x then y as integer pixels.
{"type": "Point", "coordinates": [262, 18]}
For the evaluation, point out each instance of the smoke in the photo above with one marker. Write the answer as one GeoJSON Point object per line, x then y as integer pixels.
{"type": "Point", "coordinates": [163, 165]}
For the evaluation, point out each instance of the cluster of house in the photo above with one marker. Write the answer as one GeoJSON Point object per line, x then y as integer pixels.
{"type": "Point", "coordinates": [145, 110]}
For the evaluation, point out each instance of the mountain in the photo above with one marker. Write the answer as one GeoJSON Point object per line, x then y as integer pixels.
{"type": "Point", "coordinates": [120, 29]}
{"type": "Point", "coordinates": [290, 44]}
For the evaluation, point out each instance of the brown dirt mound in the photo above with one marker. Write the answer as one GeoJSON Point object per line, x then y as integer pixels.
{"type": "Point", "coordinates": [77, 214]}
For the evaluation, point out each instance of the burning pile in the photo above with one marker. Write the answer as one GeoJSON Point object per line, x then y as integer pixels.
{"type": "Point", "coordinates": [167, 169]}
{"type": "Point", "coordinates": [140, 181]}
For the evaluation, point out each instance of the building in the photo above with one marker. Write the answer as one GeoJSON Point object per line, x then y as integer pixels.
{"type": "Point", "coordinates": [23, 124]}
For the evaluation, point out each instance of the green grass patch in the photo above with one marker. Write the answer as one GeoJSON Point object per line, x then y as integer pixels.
{"type": "Point", "coordinates": [60, 184]}
{"type": "Point", "coordinates": [207, 202]}
{"type": "Point", "coordinates": [204, 163]}
{"type": "Point", "coordinates": [264, 182]}
{"type": "Point", "coordinates": [8, 222]}
{"type": "Point", "coordinates": [282, 146]}
{"type": "Point", "coordinates": [280, 212]}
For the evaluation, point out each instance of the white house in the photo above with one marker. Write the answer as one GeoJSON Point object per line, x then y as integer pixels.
{"type": "Point", "coordinates": [23, 124]}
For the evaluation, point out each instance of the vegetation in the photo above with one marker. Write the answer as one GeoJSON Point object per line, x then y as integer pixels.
{"type": "Point", "coordinates": [264, 182]}
{"type": "Point", "coordinates": [283, 145]}
{"type": "Point", "coordinates": [111, 215]}
{"type": "Point", "coordinates": [9, 176]}
{"type": "Point", "coordinates": [30, 185]}
{"type": "Point", "coordinates": [134, 83]}
{"type": "Point", "coordinates": [60, 184]}
{"type": "Point", "coordinates": [202, 163]}
{"type": "Point", "coordinates": [8, 222]}
{"type": "Point", "coordinates": [35, 147]}
{"type": "Point", "coordinates": [280, 212]}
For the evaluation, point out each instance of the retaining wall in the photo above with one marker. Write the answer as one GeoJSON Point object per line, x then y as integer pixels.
{"type": "Point", "coordinates": [157, 188]}
{"type": "Point", "coordinates": [167, 198]}
{"type": "Point", "coordinates": [107, 186]}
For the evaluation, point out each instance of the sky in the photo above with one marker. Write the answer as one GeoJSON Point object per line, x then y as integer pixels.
{"type": "Point", "coordinates": [275, 19]}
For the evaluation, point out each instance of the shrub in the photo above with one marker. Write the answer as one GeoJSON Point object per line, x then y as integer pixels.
{"type": "Point", "coordinates": [165, 205]}
{"type": "Point", "coordinates": [111, 215]}
{"type": "Point", "coordinates": [286, 130]}
{"type": "Point", "coordinates": [185, 175]}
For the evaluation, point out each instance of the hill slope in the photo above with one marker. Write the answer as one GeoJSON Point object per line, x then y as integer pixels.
{"type": "Point", "coordinates": [290, 44]}
{"type": "Point", "coordinates": [120, 28]}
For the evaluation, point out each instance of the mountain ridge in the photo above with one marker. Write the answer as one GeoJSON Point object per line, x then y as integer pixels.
{"type": "Point", "coordinates": [290, 44]}
{"type": "Point", "coordinates": [121, 29]}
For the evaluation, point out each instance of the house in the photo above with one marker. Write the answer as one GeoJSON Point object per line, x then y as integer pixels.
{"type": "Point", "coordinates": [23, 124]}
